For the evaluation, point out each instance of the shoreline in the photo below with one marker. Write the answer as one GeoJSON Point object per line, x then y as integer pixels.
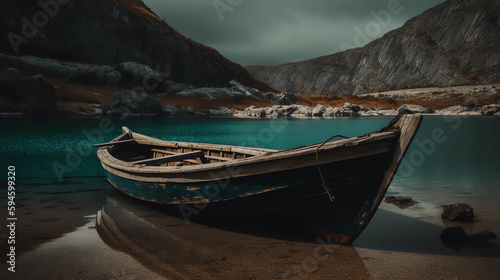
{"type": "Point", "coordinates": [294, 111]}
{"type": "Point", "coordinates": [40, 96]}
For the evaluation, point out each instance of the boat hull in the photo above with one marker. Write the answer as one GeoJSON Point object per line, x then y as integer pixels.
{"type": "Point", "coordinates": [341, 168]}
{"type": "Point", "coordinates": [342, 182]}
{"type": "Point", "coordinates": [284, 195]}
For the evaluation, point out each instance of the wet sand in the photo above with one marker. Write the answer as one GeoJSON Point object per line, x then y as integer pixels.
{"type": "Point", "coordinates": [58, 239]}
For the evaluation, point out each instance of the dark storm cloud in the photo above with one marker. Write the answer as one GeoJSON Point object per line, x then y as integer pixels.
{"type": "Point", "coordinates": [270, 32]}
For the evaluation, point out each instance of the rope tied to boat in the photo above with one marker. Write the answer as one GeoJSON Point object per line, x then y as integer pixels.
{"type": "Point", "coordinates": [319, 168]}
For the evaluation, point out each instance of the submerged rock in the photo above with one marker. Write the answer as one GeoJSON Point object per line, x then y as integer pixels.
{"type": "Point", "coordinates": [400, 201]}
{"type": "Point", "coordinates": [454, 238]}
{"type": "Point", "coordinates": [458, 212]}
{"type": "Point", "coordinates": [483, 237]}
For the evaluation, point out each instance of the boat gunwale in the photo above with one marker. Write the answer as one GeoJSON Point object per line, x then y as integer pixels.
{"type": "Point", "coordinates": [107, 159]}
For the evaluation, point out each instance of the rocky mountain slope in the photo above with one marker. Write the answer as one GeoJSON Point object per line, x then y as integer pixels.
{"type": "Point", "coordinates": [456, 42]}
{"type": "Point", "coordinates": [111, 32]}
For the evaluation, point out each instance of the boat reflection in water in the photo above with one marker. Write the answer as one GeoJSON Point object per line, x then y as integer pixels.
{"type": "Point", "coordinates": [233, 249]}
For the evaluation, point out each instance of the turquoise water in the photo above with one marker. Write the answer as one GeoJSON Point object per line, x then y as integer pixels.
{"type": "Point", "coordinates": [463, 168]}
{"type": "Point", "coordinates": [34, 144]}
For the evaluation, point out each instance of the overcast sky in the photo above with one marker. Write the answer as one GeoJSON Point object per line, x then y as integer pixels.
{"type": "Point", "coordinates": [271, 32]}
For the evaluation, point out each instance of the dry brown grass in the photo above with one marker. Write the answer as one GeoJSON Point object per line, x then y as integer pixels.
{"type": "Point", "coordinates": [66, 92]}
{"type": "Point", "coordinates": [75, 98]}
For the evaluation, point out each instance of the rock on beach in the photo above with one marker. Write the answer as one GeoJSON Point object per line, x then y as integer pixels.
{"type": "Point", "coordinates": [400, 201]}
{"type": "Point", "coordinates": [458, 212]}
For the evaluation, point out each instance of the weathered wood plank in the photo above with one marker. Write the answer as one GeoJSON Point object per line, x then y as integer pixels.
{"type": "Point", "coordinates": [206, 156]}
{"type": "Point", "coordinates": [171, 158]}
{"type": "Point", "coordinates": [165, 152]}
{"type": "Point", "coordinates": [176, 153]}
{"type": "Point", "coordinates": [219, 158]}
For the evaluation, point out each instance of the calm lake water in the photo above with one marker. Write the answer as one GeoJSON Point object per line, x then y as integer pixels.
{"type": "Point", "coordinates": [464, 167]}
{"type": "Point", "coordinates": [452, 159]}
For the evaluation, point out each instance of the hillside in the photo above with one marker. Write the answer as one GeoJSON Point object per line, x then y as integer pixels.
{"type": "Point", "coordinates": [110, 32]}
{"type": "Point", "coordinates": [456, 42]}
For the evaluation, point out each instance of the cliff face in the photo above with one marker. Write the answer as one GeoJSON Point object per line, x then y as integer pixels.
{"type": "Point", "coordinates": [456, 42]}
{"type": "Point", "coordinates": [109, 32]}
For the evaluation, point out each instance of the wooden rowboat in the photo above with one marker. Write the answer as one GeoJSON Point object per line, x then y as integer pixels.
{"type": "Point", "coordinates": [335, 186]}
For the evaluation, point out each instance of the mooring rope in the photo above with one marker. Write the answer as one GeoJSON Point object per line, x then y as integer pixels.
{"type": "Point", "coordinates": [319, 169]}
